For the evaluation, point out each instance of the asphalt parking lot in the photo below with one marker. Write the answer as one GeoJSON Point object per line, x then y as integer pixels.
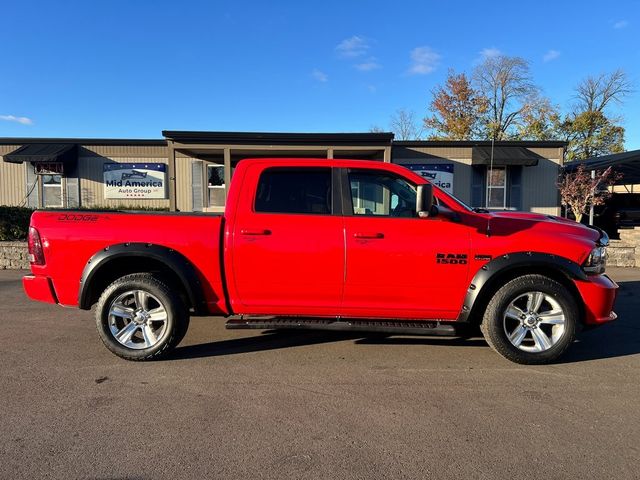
{"type": "Point", "coordinates": [246, 404]}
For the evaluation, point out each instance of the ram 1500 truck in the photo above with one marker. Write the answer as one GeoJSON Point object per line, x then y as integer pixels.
{"type": "Point", "coordinates": [327, 244]}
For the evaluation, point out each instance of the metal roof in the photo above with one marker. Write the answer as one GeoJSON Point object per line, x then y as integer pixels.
{"type": "Point", "coordinates": [84, 141]}
{"type": "Point", "coordinates": [273, 138]}
{"type": "Point", "coordinates": [626, 163]}
{"type": "Point", "coordinates": [481, 143]}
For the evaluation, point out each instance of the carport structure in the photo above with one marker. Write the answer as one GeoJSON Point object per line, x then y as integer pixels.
{"type": "Point", "coordinates": [207, 159]}
{"type": "Point", "coordinates": [625, 163]}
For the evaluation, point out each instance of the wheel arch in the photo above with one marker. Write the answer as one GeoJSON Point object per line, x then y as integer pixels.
{"type": "Point", "coordinates": [118, 260]}
{"type": "Point", "coordinates": [496, 273]}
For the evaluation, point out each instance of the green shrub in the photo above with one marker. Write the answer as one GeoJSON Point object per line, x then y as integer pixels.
{"type": "Point", "coordinates": [14, 223]}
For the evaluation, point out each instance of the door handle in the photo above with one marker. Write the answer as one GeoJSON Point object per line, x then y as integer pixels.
{"type": "Point", "coordinates": [368, 235]}
{"type": "Point", "coordinates": [255, 231]}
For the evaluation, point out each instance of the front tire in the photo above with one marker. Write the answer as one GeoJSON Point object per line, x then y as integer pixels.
{"type": "Point", "coordinates": [531, 320]}
{"type": "Point", "coordinates": [139, 317]}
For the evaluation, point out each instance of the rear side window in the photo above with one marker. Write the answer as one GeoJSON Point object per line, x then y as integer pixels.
{"type": "Point", "coordinates": [299, 190]}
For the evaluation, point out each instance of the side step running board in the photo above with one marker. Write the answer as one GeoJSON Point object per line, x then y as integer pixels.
{"type": "Point", "coordinates": [396, 327]}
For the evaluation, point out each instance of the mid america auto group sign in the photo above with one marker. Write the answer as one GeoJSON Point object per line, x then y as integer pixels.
{"type": "Point", "coordinates": [135, 180]}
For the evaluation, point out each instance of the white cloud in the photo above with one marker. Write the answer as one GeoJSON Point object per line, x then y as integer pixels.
{"type": "Point", "coordinates": [368, 65]}
{"type": "Point", "coordinates": [13, 118]}
{"type": "Point", "coordinates": [621, 24]}
{"type": "Point", "coordinates": [490, 52]}
{"type": "Point", "coordinates": [425, 60]}
{"type": "Point", "coordinates": [551, 55]}
{"type": "Point", "coordinates": [319, 75]}
{"type": "Point", "coordinates": [354, 46]}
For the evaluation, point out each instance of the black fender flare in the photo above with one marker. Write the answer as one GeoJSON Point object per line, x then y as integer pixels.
{"type": "Point", "coordinates": [175, 261]}
{"type": "Point", "coordinates": [504, 263]}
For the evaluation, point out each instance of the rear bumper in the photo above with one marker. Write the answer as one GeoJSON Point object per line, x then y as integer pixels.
{"type": "Point", "coordinates": [598, 294]}
{"type": "Point", "coordinates": [39, 288]}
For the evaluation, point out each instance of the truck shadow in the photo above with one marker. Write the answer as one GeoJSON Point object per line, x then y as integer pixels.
{"type": "Point", "coordinates": [281, 339]}
{"type": "Point", "coordinates": [618, 339]}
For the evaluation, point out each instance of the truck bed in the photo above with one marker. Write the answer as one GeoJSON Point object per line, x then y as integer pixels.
{"type": "Point", "coordinates": [71, 238]}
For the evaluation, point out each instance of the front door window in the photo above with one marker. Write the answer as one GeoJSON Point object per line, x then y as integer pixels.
{"type": "Point", "coordinates": [381, 194]}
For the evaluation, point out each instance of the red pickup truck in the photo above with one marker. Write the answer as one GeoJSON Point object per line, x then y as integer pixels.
{"type": "Point", "coordinates": [327, 244]}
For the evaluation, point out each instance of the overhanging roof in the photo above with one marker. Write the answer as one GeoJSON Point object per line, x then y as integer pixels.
{"type": "Point", "coordinates": [626, 163]}
{"type": "Point", "coordinates": [85, 141]}
{"type": "Point", "coordinates": [270, 138]}
{"type": "Point", "coordinates": [504, 156]}
{"type": "Point", "coordinates": [44, 153]}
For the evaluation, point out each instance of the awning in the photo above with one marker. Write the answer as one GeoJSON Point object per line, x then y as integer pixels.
{"type": "Point", "coordinates": [504, 156]}
{"type": "Point", "coordinates": [626, 163]}
{"type": "Point", "coordinates": [64, 153]}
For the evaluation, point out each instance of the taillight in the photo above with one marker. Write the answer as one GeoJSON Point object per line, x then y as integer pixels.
{"type": "Point", "coordinates": [36, 255]}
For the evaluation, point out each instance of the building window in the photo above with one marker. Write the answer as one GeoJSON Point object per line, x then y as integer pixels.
{"type": "Point", "coordinates": [216, 186]}
{"type": "Point", "coordinates": [51, 190]}
{"type": "Point", "coordinates": [497, 188]}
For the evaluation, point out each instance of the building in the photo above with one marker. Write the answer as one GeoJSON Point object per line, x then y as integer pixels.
{"type": "Point", "coordinates": [191, 171]}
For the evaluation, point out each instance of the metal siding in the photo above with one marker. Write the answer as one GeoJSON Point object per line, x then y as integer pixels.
{"type": "Point", "coordinates": [91, 177]}
{"type": "Point", "coordinates": [128, 151]}
{"type": "Point", "coordinates": [13, 178]}
{"type": "Point", "coordinates": [539, 191]}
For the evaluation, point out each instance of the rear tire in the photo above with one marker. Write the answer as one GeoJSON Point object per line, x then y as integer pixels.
{"type": "Point", "coordinates": [139, 317]}
{"type": "Point", "coordinates": [531, 320]}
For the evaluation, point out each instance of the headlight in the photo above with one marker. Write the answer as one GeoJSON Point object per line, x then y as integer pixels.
{"type": "Point", "coordinates": [596, 261]}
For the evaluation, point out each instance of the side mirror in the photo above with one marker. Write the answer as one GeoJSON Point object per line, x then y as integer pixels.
{"type": "Point", "coordinates": [424, 202]}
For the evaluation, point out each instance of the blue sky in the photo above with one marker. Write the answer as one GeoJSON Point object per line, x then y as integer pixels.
{"type": "Point", "coordinates": [131, 68]}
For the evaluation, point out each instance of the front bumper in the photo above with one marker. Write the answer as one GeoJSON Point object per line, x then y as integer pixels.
{"type": "Point", "coordinates": [598, 294]}
{"type": "Point", "coordinates": [39, 288]}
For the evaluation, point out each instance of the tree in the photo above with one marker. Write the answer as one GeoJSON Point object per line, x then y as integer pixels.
{"type": "Point", "coordinates": [456, 110]}
{"type": "Point", "coordinates": [589, 128]}
{"type": "Point", "coordinates": [540, 120]}
{"type": "Point", "coordinates": [506, 84]}
{"type": "Point", "coordinates": [403, 125]}
{"type": "Point", "coordinates": [376, 129]}
{"type": "Point", "coordinates": [579, 191]}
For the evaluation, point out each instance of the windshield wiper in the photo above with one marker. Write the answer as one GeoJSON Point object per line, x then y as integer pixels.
{"type": "Point", "coordinates": [480, 210]}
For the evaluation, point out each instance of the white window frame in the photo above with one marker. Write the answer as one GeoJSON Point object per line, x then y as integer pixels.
{"type": "Point", "coordinates": [497, 187]}
{"type": "Point", "coordinates": [44, 186]}
{"type": "Point", "coordinates": [213, 187]}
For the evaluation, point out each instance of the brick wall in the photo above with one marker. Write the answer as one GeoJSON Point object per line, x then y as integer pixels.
{"type": "Point", "coordinates": [14, 255]}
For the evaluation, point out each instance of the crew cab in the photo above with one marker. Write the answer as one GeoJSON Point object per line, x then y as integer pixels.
{"type": "Point", "coordinates": [327, 244]}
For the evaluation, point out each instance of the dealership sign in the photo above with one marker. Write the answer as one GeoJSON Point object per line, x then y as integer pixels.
{"type": "Point", "coordinates": [135, 180]}
{"type": "Point", "coordinates": [438, 174]}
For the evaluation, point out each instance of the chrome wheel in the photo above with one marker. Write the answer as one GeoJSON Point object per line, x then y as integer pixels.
{"type": "Point", "coordinates": [137, 319]}
{"type": "Point", "coordinates": [534, 322]}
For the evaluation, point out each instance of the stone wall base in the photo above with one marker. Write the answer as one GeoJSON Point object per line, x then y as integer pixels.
{"type": "Point", "coordinates": [14, 255]}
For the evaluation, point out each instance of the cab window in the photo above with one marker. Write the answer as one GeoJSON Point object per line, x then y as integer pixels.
{"type": "Point", "coordinates": [381, 194]}
{"type": "Point", "coordinates": [294, 190]}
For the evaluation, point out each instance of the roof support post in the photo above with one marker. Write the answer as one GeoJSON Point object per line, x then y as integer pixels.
{"type": "Point", "coordinates": [387, 155]}
{"type": "Point", "coordinates": [172, 177]}
{"type": "Point", "coordinates": [227, 171]}
{"type": "Point", "coordinates": [330, 153]}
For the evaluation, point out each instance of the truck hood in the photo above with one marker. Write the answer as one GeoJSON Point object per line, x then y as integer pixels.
{"type": "Point", "coordinates": [499, 221]}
